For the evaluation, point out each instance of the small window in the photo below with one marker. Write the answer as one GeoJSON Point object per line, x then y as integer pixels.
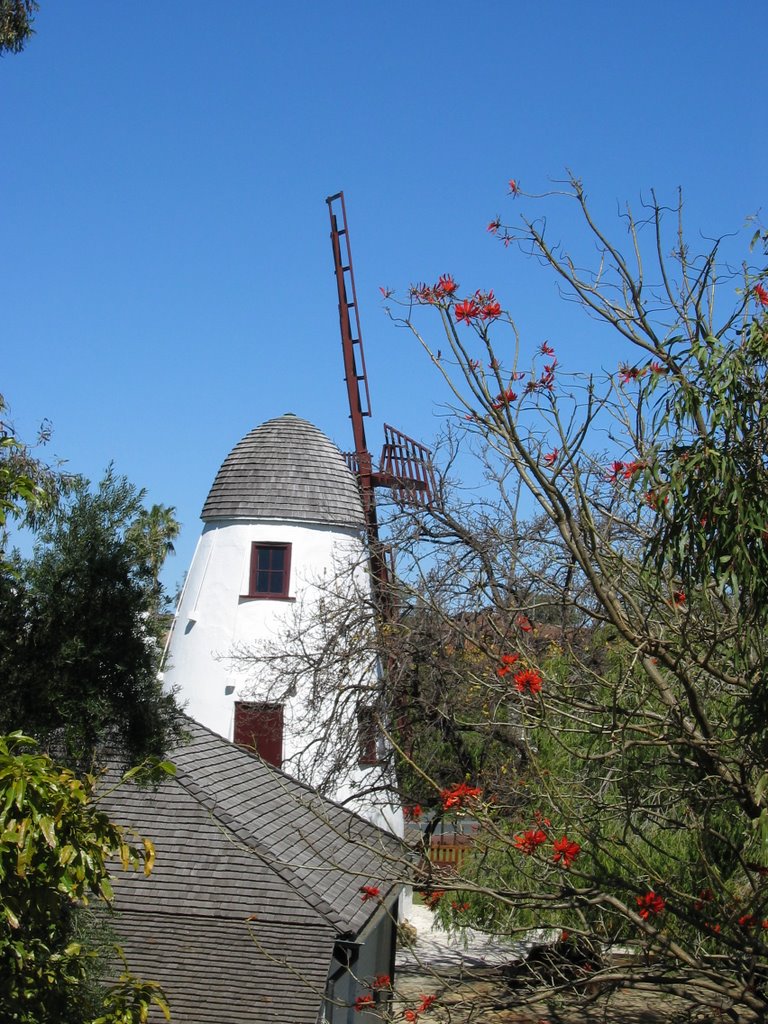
{"type": "Point", "coordinates": [369, 739]}
{"type": "Point", "coordinates": [259, 727]}
{"type": "Point", "coordinates": [270, 574]}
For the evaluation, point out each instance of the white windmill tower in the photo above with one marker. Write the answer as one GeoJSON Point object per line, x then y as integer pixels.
{"type": "Point", "coordinates": [285, 512]}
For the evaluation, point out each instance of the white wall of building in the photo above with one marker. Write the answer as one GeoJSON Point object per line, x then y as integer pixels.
{"type": "Point", "coordinates": [215, 615]}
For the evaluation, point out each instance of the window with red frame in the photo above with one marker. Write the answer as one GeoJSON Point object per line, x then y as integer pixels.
{"type": "Point", "coordinates": [259, 727]}
{"type": "Point", "coordinates": [369, 738]}
{"type": "Point", "coordinates": [270, 574]}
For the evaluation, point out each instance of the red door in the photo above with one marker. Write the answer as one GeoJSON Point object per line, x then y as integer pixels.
{"type": "Point", "coordinates": [259, 727]}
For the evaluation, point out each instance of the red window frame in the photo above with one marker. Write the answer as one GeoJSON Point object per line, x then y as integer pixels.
{"type": "Point", "coordinates": [266, 581]}
{"type": "Point", "coordinates": [369, 737]}
{"type": "Point", "coordinates": [259, 727]}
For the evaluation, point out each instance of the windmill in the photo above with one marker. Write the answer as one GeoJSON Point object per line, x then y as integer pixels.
{"type": "Point", "coordinates": [405, 465]}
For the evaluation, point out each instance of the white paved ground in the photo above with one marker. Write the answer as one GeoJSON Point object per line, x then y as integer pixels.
{"type": "Point", "coordinates": [435, 948]}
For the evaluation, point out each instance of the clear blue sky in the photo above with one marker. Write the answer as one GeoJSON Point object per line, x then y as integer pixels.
{"type": "Point", "coordinates": [166, 277]}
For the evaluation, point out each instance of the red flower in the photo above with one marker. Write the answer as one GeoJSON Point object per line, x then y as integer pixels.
{"type": "Point", "coordinates": [369, 892]}
{"type": "Point", "coordinates": [652, 499]}
{"type": "Point", "coordinates": [426, 1002]}
{"type": "Point", "coordinates": [490, 310]}
{"type": "Point", "coordinates": [504, 398]}
{"type": "Point", "coordinates": [747, 921]}
{"type": "Point", "coordinates": [624, 470]}
{"type": "Point", "coordinates": [523, 623]}
{"type": "Point", "coordinates": [546, 349]}
{"type": "Point", "coordinates": [494, 226]}
{"type": "Point", "coordinates": [364, 1003]}
{"type": "Point", "coordinates": [705, 896]}
{"type": "Point", "coordinates": [459, 795]}
{"type": "Point", "coordinates": [514, 187]}
{"type": "Point", "coordinates": [564, 935]}
{"type": "Point", "coordinates": [446, 285]}
{"type": "Point", "coordinates": [466, 310]}
{"type": "Point", "coordinates": [422, 293]}
{"type": "Point", "coordinates": [529, 841]}
{"type": "Point", "coordinates": [566, 852]}
{"type": "Point", "coordinates": [649, 904]}
{"type": "Point", "coordinates": [413, 813]}
{"type": "Point", "coordinates": [507, 660]}
{"type": "Point", "coordinates": [410, 1015]}
{"type": "Point", "coordinates": [459, 907]}
{"type": "Point", "coordinates": [386, 292]}
{"type": "Point", "coordinates": [629, 373]}
{"type": "Point", "coordinates": [658, 368]}
{"type": "Point", "coordinates": [433, 898]}
{"type": "Point", "coordinates": [679, 598]}
{"type": "Point", "coordinates": [761, 294]}
{"type": "Point", "coordinates": [528, 679]}
{"type": "Point", "coordinates": [382, 981]}
{"type": "Point", "coordinates": [551, 458]}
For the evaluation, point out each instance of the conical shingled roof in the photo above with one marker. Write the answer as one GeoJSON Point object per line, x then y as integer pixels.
{"type": "Point", "coordinates": [285, 469]}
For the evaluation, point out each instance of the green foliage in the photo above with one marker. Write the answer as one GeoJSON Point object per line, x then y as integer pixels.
{"type": "Point", "coordinates": [706, 464]}
{"type": "Point", "coordinates": [29, 488]}
{"type": "Point", "coordinates": [16, 24]}
{"type": "Point", "coordinates": [55, 849]}
{"type": "Point", "coordinates": [79, 640]}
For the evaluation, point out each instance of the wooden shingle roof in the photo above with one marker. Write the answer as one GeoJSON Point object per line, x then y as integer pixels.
{"type": "Point", "coordinates": [285, 469]}
{"type": "Point", "coordinates": [255, 878]}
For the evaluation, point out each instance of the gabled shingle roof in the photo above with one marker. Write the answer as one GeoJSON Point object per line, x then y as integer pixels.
{"type": "Point", "coordinates": [285, 469]}
{"type": "Point", "coordinates": [255, 877]}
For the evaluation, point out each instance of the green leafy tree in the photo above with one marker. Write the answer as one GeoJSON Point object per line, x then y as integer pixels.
{"type": "Point", "coordinates": [16, 24]}
{"type": "Point", "coordinates": [152, 535]}
{"type": "Point", "coordinates": [56, 848]}
{"type": "Point", "coordinates": [79, 640]}
{"type": "Point", "coordinates": [29, 487]}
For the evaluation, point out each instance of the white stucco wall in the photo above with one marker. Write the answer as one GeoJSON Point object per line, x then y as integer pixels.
{"type": "Point", "coordinates": [213, 615]}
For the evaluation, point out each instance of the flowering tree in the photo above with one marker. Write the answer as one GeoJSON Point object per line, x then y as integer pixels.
{"type": "Point", "coordinates": [576, 661]}
{"type": "Point", "coordinates": [636, 703]}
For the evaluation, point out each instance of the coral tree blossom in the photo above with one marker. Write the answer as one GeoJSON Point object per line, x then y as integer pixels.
{"type": "Point", "coordinates": [527, 679]}
{"type": "Point", "coordinates": [504, 398]}
{"type": "Point", "coordinates": [364, 1003]}
{"type": "Point", "coordinates": [369, 892]}
{"type": "Point", "coordinates": [459, 795]}
{"type": "Point", "coordinates": [650, 904]}
{"type": "Point", "coordinates": [445, 285]}
{"type": "Point", "coordinates": [467, 310]}
{"type": "Point", "coordinates": [432, 899]}
{"type": "Point", "coordinates": [551, 458]}
{"type": "Point", "coordinates": [528, 842]}
{"type": "Point", "coordinates": [761, 294]}
{"type": "Point", "coordinates": [507, 661]}
{"type": "Point", "coordinates": [566, 851]}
